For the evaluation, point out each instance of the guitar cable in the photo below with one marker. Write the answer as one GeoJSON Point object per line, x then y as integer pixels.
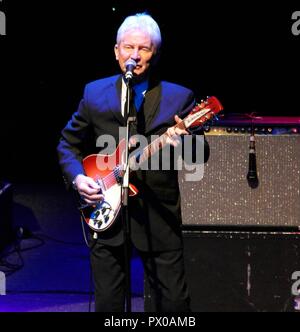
{"type": "Point", "coordinates": [90, 248]}
{"type": "Point", "coordinates": [83, 230]}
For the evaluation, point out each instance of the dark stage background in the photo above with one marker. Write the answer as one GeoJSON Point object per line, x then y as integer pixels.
{"type": "Point", "coordinates": [244, 54]}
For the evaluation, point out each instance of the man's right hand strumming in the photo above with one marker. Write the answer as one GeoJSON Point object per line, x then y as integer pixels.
{"type": "Point", "coordinates": [88, 189]}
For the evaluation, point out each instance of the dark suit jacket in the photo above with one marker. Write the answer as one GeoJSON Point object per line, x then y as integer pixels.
{"type": "Point", "coordinates": [155, 212]}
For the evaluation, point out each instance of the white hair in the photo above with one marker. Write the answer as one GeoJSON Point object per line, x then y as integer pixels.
{"type": "Point", "coordinates": [143, 22]}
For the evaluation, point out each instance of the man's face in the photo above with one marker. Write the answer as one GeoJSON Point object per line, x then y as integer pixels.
{"type": "Point", "coordinates": [138, 46]}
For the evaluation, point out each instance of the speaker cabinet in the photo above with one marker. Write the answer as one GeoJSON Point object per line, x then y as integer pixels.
{"type": "Point", "coordinates": [241, 244]}
{"type": "Point", "coordinates": [241, 271]}
{"type": "Point", "coordinates": [224, 197]}
{"type": "Point", "coordinates": [236, 271]}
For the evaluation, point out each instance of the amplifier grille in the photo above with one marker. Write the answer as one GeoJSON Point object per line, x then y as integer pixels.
{"type": "Point", "coordinates": [223, 196]}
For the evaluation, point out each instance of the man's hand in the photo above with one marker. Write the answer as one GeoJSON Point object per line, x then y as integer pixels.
{"type": "Point", "coordinates": [175, 133]}
{"type": "Point", "coordinates": [88, 189]}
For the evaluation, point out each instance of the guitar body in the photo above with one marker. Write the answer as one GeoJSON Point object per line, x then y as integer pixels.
{"type": "Point", "coordinates": [104, 170]}
{"type": "Point", "coordinates": [108, 170]}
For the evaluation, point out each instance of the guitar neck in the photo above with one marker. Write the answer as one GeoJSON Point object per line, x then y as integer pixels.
{"type": "Point", "coordinates": [156, 145]}
{"type": "Point", "coordinates": [199, 116]}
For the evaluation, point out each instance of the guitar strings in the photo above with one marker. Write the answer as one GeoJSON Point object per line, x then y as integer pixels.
{"type": "Point", "coordinates": [110, 179]}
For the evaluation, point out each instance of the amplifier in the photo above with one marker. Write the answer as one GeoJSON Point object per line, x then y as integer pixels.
{"type": "Point", "coordinates": [224, 196]}
{"type": "Point", "coordinates": [230, 271]}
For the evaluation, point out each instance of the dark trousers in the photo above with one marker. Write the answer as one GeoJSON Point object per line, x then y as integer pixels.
{"type": "Point", "coordinates": [164, 272]}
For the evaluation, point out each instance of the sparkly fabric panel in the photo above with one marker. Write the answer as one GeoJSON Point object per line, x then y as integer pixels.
{"type": "Point", "coordinates": [223, 196]}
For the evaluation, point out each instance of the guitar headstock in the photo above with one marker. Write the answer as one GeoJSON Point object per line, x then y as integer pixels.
{"type": "Point", "coordinates": [203, 112]}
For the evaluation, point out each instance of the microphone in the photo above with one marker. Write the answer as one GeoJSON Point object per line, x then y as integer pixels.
{"type": "Point", "coordinates": [252, 171]}
{"type": "Point", "coordinates": [130, 64]}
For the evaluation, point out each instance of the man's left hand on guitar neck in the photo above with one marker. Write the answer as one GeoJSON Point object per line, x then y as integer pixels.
{"type": "Point", "coordinates": [175, 133]}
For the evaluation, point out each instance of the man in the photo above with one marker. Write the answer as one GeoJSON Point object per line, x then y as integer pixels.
{"type": "Point", "coordinates": [155, 213]}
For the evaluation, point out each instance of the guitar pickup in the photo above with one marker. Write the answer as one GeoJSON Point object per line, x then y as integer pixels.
{"type": "Point", "coordinates": [101, 184]}
{"type": "Point", "coordinates": [117, 175]}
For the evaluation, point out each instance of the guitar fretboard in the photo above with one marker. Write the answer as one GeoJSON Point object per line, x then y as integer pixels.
{"type": "Point", "coordinates": [156, 145]}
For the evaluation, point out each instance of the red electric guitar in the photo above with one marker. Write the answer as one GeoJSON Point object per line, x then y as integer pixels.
{"type": "Point", "coordinates": [102, 215]}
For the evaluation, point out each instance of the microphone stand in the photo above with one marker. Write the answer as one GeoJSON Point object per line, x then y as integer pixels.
{"type": "Point", "coordinates": [129, 119]}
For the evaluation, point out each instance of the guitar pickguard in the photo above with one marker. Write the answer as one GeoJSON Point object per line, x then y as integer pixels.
{"type": "Point", "coordinates": [102, 215]}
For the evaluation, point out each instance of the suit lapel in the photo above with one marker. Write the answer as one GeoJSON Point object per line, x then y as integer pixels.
{"type": "Point", "coordinates": [151, 104]}
{"type": "Point", "coordinates": [113, 97]}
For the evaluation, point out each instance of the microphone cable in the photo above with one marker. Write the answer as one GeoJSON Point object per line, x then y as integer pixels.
{"type": "Point", "coordinates": [252, 177]}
